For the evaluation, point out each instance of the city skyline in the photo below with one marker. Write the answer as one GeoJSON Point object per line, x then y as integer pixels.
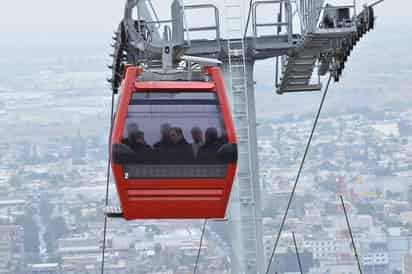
{"type": "Point", "coordinates": [54, 116]}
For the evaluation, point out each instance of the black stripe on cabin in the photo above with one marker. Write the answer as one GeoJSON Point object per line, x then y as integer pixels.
{"type": "Point", "coordinates": [173, 102]}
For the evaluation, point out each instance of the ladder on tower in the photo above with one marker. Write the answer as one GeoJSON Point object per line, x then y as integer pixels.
{"type": "Point", "coordinates": [298, 66]}
{"type": "Point", "coordinates": [239, 83]}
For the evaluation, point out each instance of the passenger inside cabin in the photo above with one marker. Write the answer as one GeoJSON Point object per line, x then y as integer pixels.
{"type": "Point", "coordinates": [223, 138]}
{"type": "Point", "coordinates": [139, 142]}
{"type": "Point", "coordinates": [208, 152]}
{"type": "Point", "coordinates": [141, 148]}
{"type": "Point", "coordinates": [132, 129]}
{"type": "Point", "coordinates": [197, 136]}
{"type": "Point", "coordinates": [165, 138]}
{"type": "Point", "coordinates": [178, 151]}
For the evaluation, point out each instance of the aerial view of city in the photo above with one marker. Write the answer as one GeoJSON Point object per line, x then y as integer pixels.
{"type": "Point", "coordinates": [55, 125]}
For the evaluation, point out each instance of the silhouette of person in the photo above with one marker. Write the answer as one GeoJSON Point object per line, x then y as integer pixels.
{"type": "Point", "coordinates": [208, 152]}
{"type": "Point", "coordinates": [224, 139]}
{"type": "Point", "coordinates": [197, 136]}
{"type": "Point", "coordinates": [165, 138]}
{"type": "Point", "coordinates": [131, 129]}
{"type": "Point", "coordinates": [141, 148]}
{"type": "Point", "coordinates": [179, 150]}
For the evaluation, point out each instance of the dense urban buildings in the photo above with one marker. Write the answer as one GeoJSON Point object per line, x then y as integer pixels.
{"type": "Point", "coordinates": [53, 157]}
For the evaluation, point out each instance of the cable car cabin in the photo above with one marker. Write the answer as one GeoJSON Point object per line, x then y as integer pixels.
{"type": "Point", "coordinates": [173, 148]}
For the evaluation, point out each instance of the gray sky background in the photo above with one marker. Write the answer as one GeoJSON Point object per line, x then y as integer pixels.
{"type": "Point", "coordinates": [45, 17]}
{"type": "Point", "coordinates": [37, 30]}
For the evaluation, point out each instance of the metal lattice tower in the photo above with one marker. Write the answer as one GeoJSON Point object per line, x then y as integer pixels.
{"type": "Point", "coordinates": [244, 207]}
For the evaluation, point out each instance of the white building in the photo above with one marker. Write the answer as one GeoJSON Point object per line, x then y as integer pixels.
{"type": "Point", "coordinates": [11, 248]}
{"type": "Point", "coordinates": [44, 268]}
{"type": "Point", "coordinates": [328, 249]}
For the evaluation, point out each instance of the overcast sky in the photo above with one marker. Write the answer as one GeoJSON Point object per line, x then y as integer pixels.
{"type": "Point", "coordinates": [82, 27]}
{"type": "Point", "coordinates": [99, 16]}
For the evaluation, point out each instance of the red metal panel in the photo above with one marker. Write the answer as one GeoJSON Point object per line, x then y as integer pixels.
{"type": "Point", "coordinates": [118, 126]}
{"type": "Point", "coordinates": [216, 75]}
{"type": "Point", "coordinates": [175, 192]}
{"type": "Point", "coordinates": [175, 198]}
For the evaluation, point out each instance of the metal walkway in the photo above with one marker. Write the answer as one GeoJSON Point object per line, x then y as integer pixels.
{"type": "Point", "coordinates": [298, 67]}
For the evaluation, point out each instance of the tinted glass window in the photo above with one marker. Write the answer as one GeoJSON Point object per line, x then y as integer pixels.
{"type": "Point", "coordinates": [175, 135]}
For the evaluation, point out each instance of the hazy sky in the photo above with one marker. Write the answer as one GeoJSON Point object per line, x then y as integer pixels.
{"type": "Point", "coordinates": [99, 16]}
{"type": "Point", "coordinates": [83, 27]}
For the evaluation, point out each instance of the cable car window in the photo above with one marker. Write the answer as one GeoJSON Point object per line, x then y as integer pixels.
{"type": "Point", "coordinates": [174, 135]}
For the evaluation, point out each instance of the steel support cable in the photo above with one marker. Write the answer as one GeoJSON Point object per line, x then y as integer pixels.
{"type": "Point", "coordinates": [298, 175]}
{"type": "Point", "coordinates": [200, 246]}
{"type": "Point", "coordinates": [376, 3]}
{"type": "Point", "coordinates": [297, 253]}
{"type": "Point", "coordinates": [351, 235]}
{"type": "Point", "coordinates": [248, 19]}
{"type": "Point", "coordinates": [107, 186]}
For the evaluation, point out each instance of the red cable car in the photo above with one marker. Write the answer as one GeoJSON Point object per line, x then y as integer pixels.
{"type": "Point", "coordinates": [173, 146]}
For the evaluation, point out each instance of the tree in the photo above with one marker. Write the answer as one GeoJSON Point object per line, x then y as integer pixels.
{"type": "Point", "coordinates": [158, 249]}
{"type": "Point", "coordinates": [55, 230]}
{"type": "Point", "coordinates": [365, 209]}
{"type": "Point", "coordinates": [46, 209]}
{"type": "Point", "coordinates": [55, 259]}
{"type": "Point", "coordinates": [15, 181]}
{"type": "Point", "coordinates": [31, 232]}
{"type": "Point", "coordinates": [410, 194]}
